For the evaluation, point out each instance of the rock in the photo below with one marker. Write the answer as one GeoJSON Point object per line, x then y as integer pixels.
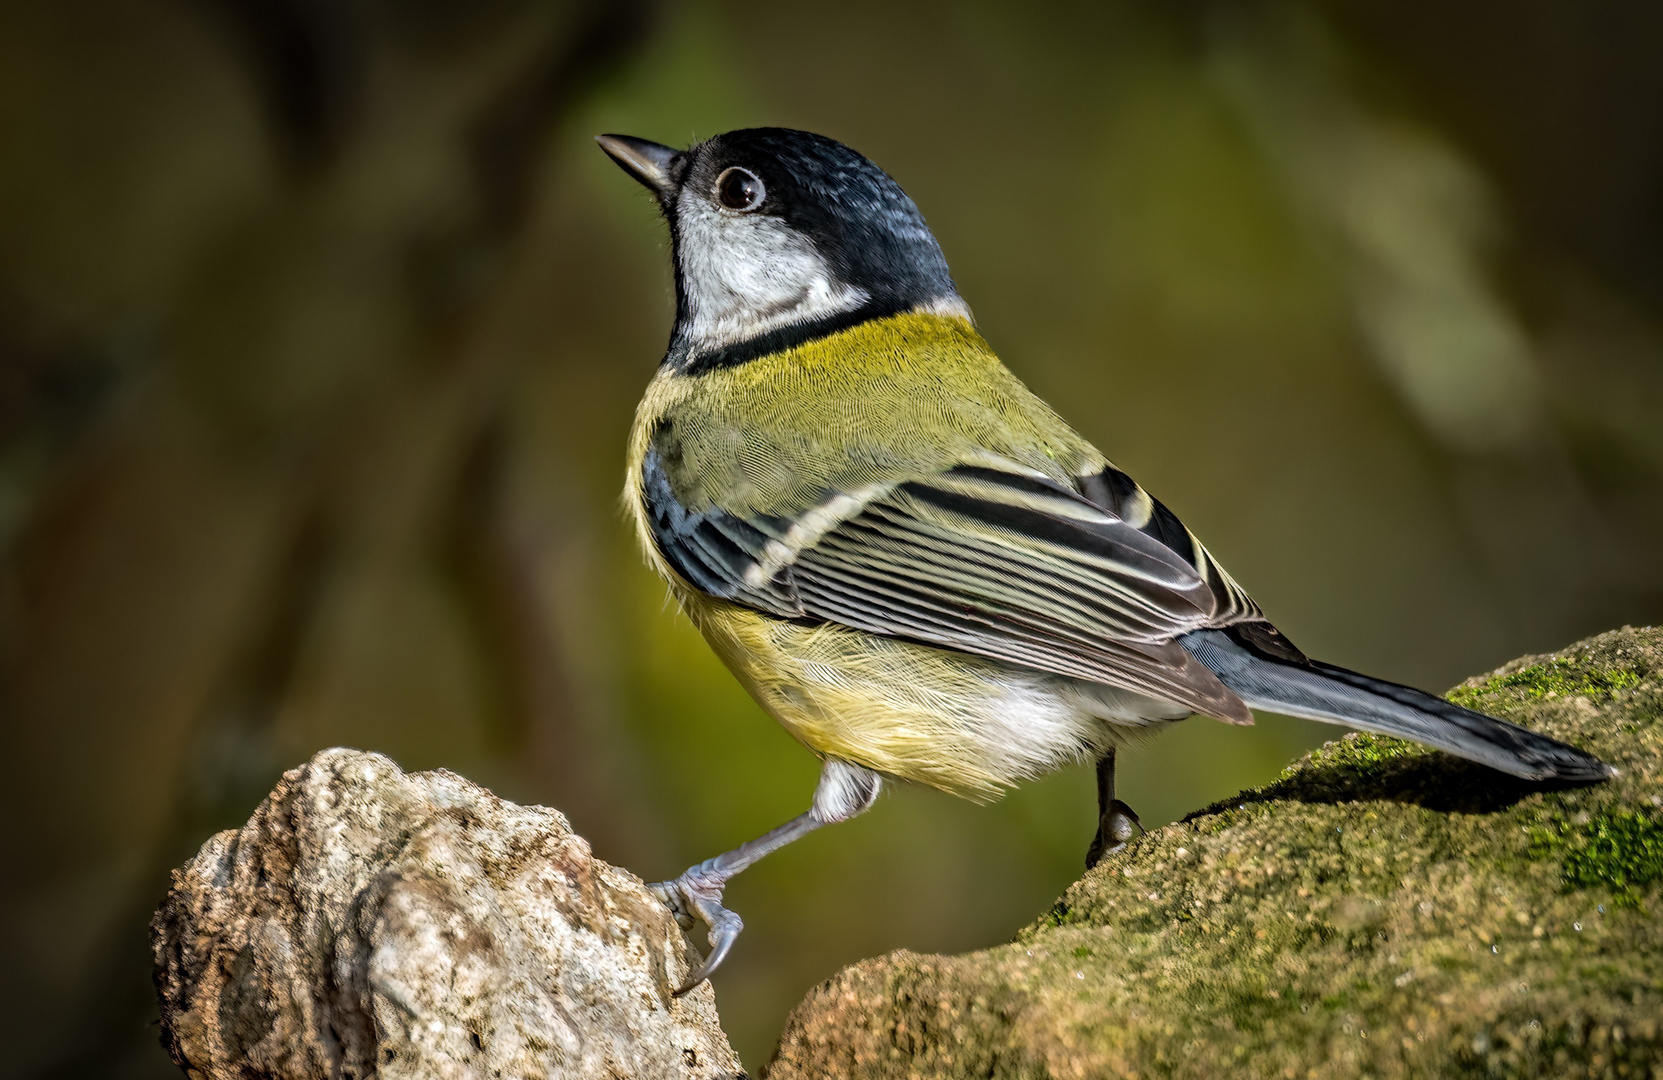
{"type": "Point", "coordinates": [1380, 910]}
{"type": "Point", "coordinates": [367, 921]}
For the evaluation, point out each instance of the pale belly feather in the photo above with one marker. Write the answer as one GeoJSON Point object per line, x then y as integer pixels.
{"type": "Point", "coordinates": [960, 723]}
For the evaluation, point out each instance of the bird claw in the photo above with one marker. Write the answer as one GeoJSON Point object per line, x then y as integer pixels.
{"type": "Point", "coordinates": [670, 894]}
{"type": "Point", "coordinates": [696, 896]}
{"type": "Point", "coordinates": [1118, 827]}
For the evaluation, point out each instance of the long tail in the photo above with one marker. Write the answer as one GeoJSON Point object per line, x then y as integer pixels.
{"type": "Point", "coordinates": [1318, 691]}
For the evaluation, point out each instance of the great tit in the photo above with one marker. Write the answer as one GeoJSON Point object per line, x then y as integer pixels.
{"type": "Point", "coordinates": [913, 563]}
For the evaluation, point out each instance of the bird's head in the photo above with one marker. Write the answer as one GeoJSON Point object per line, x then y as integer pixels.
{"type": "Point", "coordinates": [780, 235]}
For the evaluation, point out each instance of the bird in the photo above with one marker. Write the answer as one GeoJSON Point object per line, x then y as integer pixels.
{"type": "Point", "coordinates": [907, 558]}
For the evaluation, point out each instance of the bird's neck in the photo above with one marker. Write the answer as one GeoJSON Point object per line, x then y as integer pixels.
{"type": "Point", "coordinates": [692, 353]}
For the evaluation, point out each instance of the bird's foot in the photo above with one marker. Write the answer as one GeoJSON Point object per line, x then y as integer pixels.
{"type": "Point", "coordinates": [1118, 826]}
{"type": "Point", "coordinates": [696, 896]}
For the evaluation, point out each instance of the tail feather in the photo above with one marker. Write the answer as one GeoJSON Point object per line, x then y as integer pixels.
{"type": "Point", "coordinates": [1319, 691]}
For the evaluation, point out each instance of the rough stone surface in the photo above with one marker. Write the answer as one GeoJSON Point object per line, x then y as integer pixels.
{"type": "Point", "coordinates": [367, 921]}
{"type": "Point", "coordinates": [1378, 911]}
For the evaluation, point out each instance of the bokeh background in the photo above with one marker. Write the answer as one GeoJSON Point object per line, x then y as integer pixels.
{"type": "Point", "coordinates": [322, 322]}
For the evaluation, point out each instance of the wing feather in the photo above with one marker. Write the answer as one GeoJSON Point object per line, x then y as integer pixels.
{"type": "Point", "coordinates": [994, 561]}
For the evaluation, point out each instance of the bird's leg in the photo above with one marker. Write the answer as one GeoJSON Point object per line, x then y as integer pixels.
{"type": "Point", "coordinates": [1116, 822]}
{"type": "Point", "coordinates": [844, 791]}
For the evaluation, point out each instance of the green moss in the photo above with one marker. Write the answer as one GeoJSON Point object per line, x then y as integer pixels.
{"type": "Point", "coordinates": [1559, 677]}
{"type": "Point", "coordinates": [1622, 852]}
{"type": "Point", "coordinates": [1361, 753]}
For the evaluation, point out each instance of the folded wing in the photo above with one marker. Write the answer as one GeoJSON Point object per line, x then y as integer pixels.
{"type": "Point", "coordinates": [988, 559]}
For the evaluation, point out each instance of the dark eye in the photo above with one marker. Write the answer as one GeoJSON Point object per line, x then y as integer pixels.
{"type": "Point", "coordinates": [739, 189]}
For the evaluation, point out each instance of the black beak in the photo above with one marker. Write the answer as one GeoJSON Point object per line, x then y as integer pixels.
{"type": "Point", "coordinates": [648, 162]}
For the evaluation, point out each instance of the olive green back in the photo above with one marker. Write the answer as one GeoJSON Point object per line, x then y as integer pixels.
{"type": "Point", "coordinates": [893, 398]}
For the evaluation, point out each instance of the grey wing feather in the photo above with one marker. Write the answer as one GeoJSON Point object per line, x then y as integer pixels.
{"type": "Point", "coordinates": [997, 563]}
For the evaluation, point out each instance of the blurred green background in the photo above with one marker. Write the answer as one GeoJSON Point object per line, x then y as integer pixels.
{"type": "Point", "coordinates": [322, 322]}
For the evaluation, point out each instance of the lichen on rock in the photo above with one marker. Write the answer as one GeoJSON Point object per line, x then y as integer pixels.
{"type": "Point", "coordinates": [1379, 910]}
{"type": "Point", "coordinates": [367, 921]}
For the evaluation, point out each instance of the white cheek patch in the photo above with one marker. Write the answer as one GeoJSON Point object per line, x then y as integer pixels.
{"type": "Point", "coordinates": [747, 274]}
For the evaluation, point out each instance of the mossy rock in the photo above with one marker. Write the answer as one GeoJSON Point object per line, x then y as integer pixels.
{"type": "Point", "coordinates": [1380, 910]}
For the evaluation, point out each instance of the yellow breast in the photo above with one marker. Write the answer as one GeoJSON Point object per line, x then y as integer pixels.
{"type": "Point", "coordinates": [965, 725]}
